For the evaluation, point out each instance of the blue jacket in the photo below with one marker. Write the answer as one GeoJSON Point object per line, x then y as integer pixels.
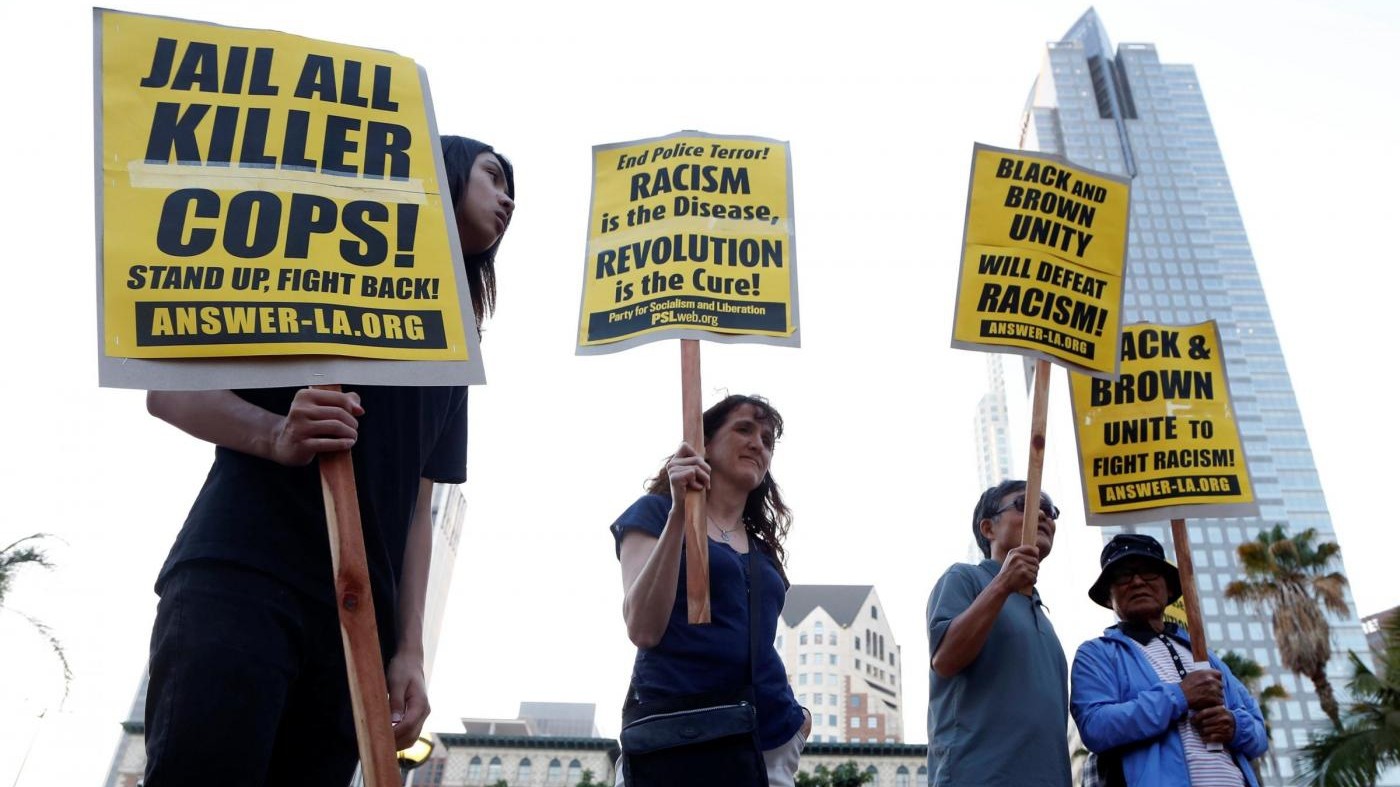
{"type": "Point", "coordinates": [1117, 699]}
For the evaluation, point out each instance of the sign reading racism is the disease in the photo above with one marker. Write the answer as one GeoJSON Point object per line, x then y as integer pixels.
{"type": "Point", "coordinates": [263, 194]}
{"type": "Point", "coordinates": [1161, 441]}
{"type": "Point", "coordinates": [689, 236]}
{"type": "Point", "coordinates": [1042, 268]}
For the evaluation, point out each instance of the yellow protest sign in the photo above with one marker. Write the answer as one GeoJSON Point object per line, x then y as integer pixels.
{"type": "Point", "coordinates": [1161, 441]}
{"type": "Point", "coordinates": [264, 194]}
{"type": "Point", "coordinates": [1043, 251]}
{"type": "Point", "coordinates": [1176, 613]}
{"type": "Point", "coordinates": [689, 236]}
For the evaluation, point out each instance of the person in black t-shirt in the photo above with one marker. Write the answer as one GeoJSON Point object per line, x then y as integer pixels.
{"type": "Point", "coordinates": [247, 672]}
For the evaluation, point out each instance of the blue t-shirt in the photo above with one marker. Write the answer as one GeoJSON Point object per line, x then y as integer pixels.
{"type": "Point", "coordinates": [1002, 720]}
{"type": "Point", "coordinates": [696, 659]}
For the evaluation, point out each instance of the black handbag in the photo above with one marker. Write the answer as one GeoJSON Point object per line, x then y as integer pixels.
{"type": "Point", "coordinates": [698, 740]}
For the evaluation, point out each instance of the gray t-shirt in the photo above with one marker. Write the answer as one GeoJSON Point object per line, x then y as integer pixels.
{"type": "Point", "coordinates": [1003, 719]}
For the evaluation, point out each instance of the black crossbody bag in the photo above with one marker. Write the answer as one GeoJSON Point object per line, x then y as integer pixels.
{"type": "Point", "coordinates": [697, 740]}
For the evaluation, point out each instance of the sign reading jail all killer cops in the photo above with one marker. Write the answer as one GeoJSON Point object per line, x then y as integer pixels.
{"type": "Point", "coordinates": [690, 236]}
{"type": "Point", "coordinates": [1043, 250]}
{"type": "Point", "coordinates": [264, 195]}
{"type": "Point", "coordinates": [1161, 441]}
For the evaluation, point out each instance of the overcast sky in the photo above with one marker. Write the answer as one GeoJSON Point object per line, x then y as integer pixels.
{"type": "Point", "coordinates": [882, 102]}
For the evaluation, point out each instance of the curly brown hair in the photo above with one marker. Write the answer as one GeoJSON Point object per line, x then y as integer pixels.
{"type": "Point", "coordinates": [766, 518]}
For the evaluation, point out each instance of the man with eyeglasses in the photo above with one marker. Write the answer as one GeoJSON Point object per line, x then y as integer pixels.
{"type": "Point", "coordinates": [1147, 715]}
{"type": "Point", "coordinates": [998, 687]}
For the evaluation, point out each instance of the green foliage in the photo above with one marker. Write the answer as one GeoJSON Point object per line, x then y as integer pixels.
{"type": "Point", "coordinates": [14, 557]}
{"type": "Point", "coordinates": [1288, 577]}
{"type": "Point", "coordinates": [1368, 740]}
{"type": "Point", "coordinates": [847, 774]}
{"type": "Point", "coordinates": [587, 781]}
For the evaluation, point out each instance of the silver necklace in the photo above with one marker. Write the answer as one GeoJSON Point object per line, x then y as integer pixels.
{"type": "Point", "coordinates": [723, 534]}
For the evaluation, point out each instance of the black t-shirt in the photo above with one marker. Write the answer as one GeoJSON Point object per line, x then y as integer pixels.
{"type": "Point", "coordinates": [271, 518]}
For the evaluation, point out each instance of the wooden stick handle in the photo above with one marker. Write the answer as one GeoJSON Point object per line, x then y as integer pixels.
{"type": "Point", "coordinates": [1035, 465]}
{"type": "Point", "coordinates": [369, 696]}
{"type": "Point", "coordinates": [1190, 597]}
{"type": "Point", "coordinates": [697, 538]}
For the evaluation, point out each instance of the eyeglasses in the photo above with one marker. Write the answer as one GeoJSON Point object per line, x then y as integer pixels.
{"type": "Point", "coordinates": [1125, 575]}
{"type": "Point", "coordinates": [1020, 505]}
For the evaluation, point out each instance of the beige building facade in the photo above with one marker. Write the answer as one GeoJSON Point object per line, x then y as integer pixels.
{"type": "Point", "coordinates": [843, 663]}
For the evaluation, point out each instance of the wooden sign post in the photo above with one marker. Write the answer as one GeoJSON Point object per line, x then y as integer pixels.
{"type": "Point", "coordinates": [359, 633]}
{"type": "Point", "coordinates": [1190, 596]}
{"type": "Point", "coordinates": [729, 271]}
{"type": "Point", "coordinates": [1054, 302]}
{"type": "Point", "coordinates": [697, 537]}
{"type": "Point", "coordinates": [1035, 465]}
{"type": "Point", "coordinates": [1195, 626]}
{"type": "Point", "coordinates": [145, 172]}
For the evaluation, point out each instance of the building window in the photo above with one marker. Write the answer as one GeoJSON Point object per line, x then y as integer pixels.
{"type": "Point", "coordinates": [874, 612]}
{"type": "Point", "coordinates": [802, 658]}
{"type": "Point", "coordinates": [901, 777]}
{"type": "Point", "coordinates": [493, 771]}
{"type": "Point", "coordinates": [802, 639]}
{"type": "Point", "coordinates": [855, 701]}
{"type": "Point", "coordinates": [474, 771]}
{"type": "Point", "coordinates": [874, 775]}
{"type": "Point", "coordinates": [870, 722]}
{"type": "Point", "coordinates": [555, 774]}
{"type": "Point", "coordinates": [575, 771]}
{"type": "Point", "coordinates": [855, 723]}
{"type": "Point", "coordinates": [831, 699]}
{"type": "Point", "coordinates": [831, 720]}
{"type": "Point", "coordinates": [921, 776]}
{"type": "Point", "coordinates": [522, 772]}
{"type": "Point", "coordinates": [817, 700]}
{"type": "Point", "coordinates": [834, 662]}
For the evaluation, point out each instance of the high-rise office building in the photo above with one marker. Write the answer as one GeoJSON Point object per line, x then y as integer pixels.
{"type": "Point", "coordinates": [843, 663]}
{"type": "Point", "coordinates": [1124, 111]}
{"type": "Point", "coordinates": [989, 434]}
{"type": "Point", "coordinates": [990, 425]}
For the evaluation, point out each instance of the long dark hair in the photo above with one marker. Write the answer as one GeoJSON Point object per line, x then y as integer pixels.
{"type": "Point", "coordinates": [766, 517]}
{"type": "Point", "coordinates": [458, 155]}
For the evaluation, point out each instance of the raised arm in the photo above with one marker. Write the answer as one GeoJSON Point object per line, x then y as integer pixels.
{"type": "Point", "coordinates": [318, 421]}
{"type": "Point", "coordinates": [967, 633]}
{"type": "Point", "coordinates": [650, 565]}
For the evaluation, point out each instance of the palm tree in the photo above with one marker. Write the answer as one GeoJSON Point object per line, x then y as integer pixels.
{"type": "Point", "coordinates": [1248, 671]}
{"type": "Point", "coordinates": [12, 557]}
{"type": "Point", "coordinates": [1370, 740]}
{"type": "Point", "coordinates": [1287, 577]}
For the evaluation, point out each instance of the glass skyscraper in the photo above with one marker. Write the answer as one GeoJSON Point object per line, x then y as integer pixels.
{"type": "Point", "coordinates": [1124, 111]}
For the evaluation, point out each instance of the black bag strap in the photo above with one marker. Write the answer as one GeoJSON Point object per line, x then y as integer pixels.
{"type": "Point", "coordinates": [752, 579]}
